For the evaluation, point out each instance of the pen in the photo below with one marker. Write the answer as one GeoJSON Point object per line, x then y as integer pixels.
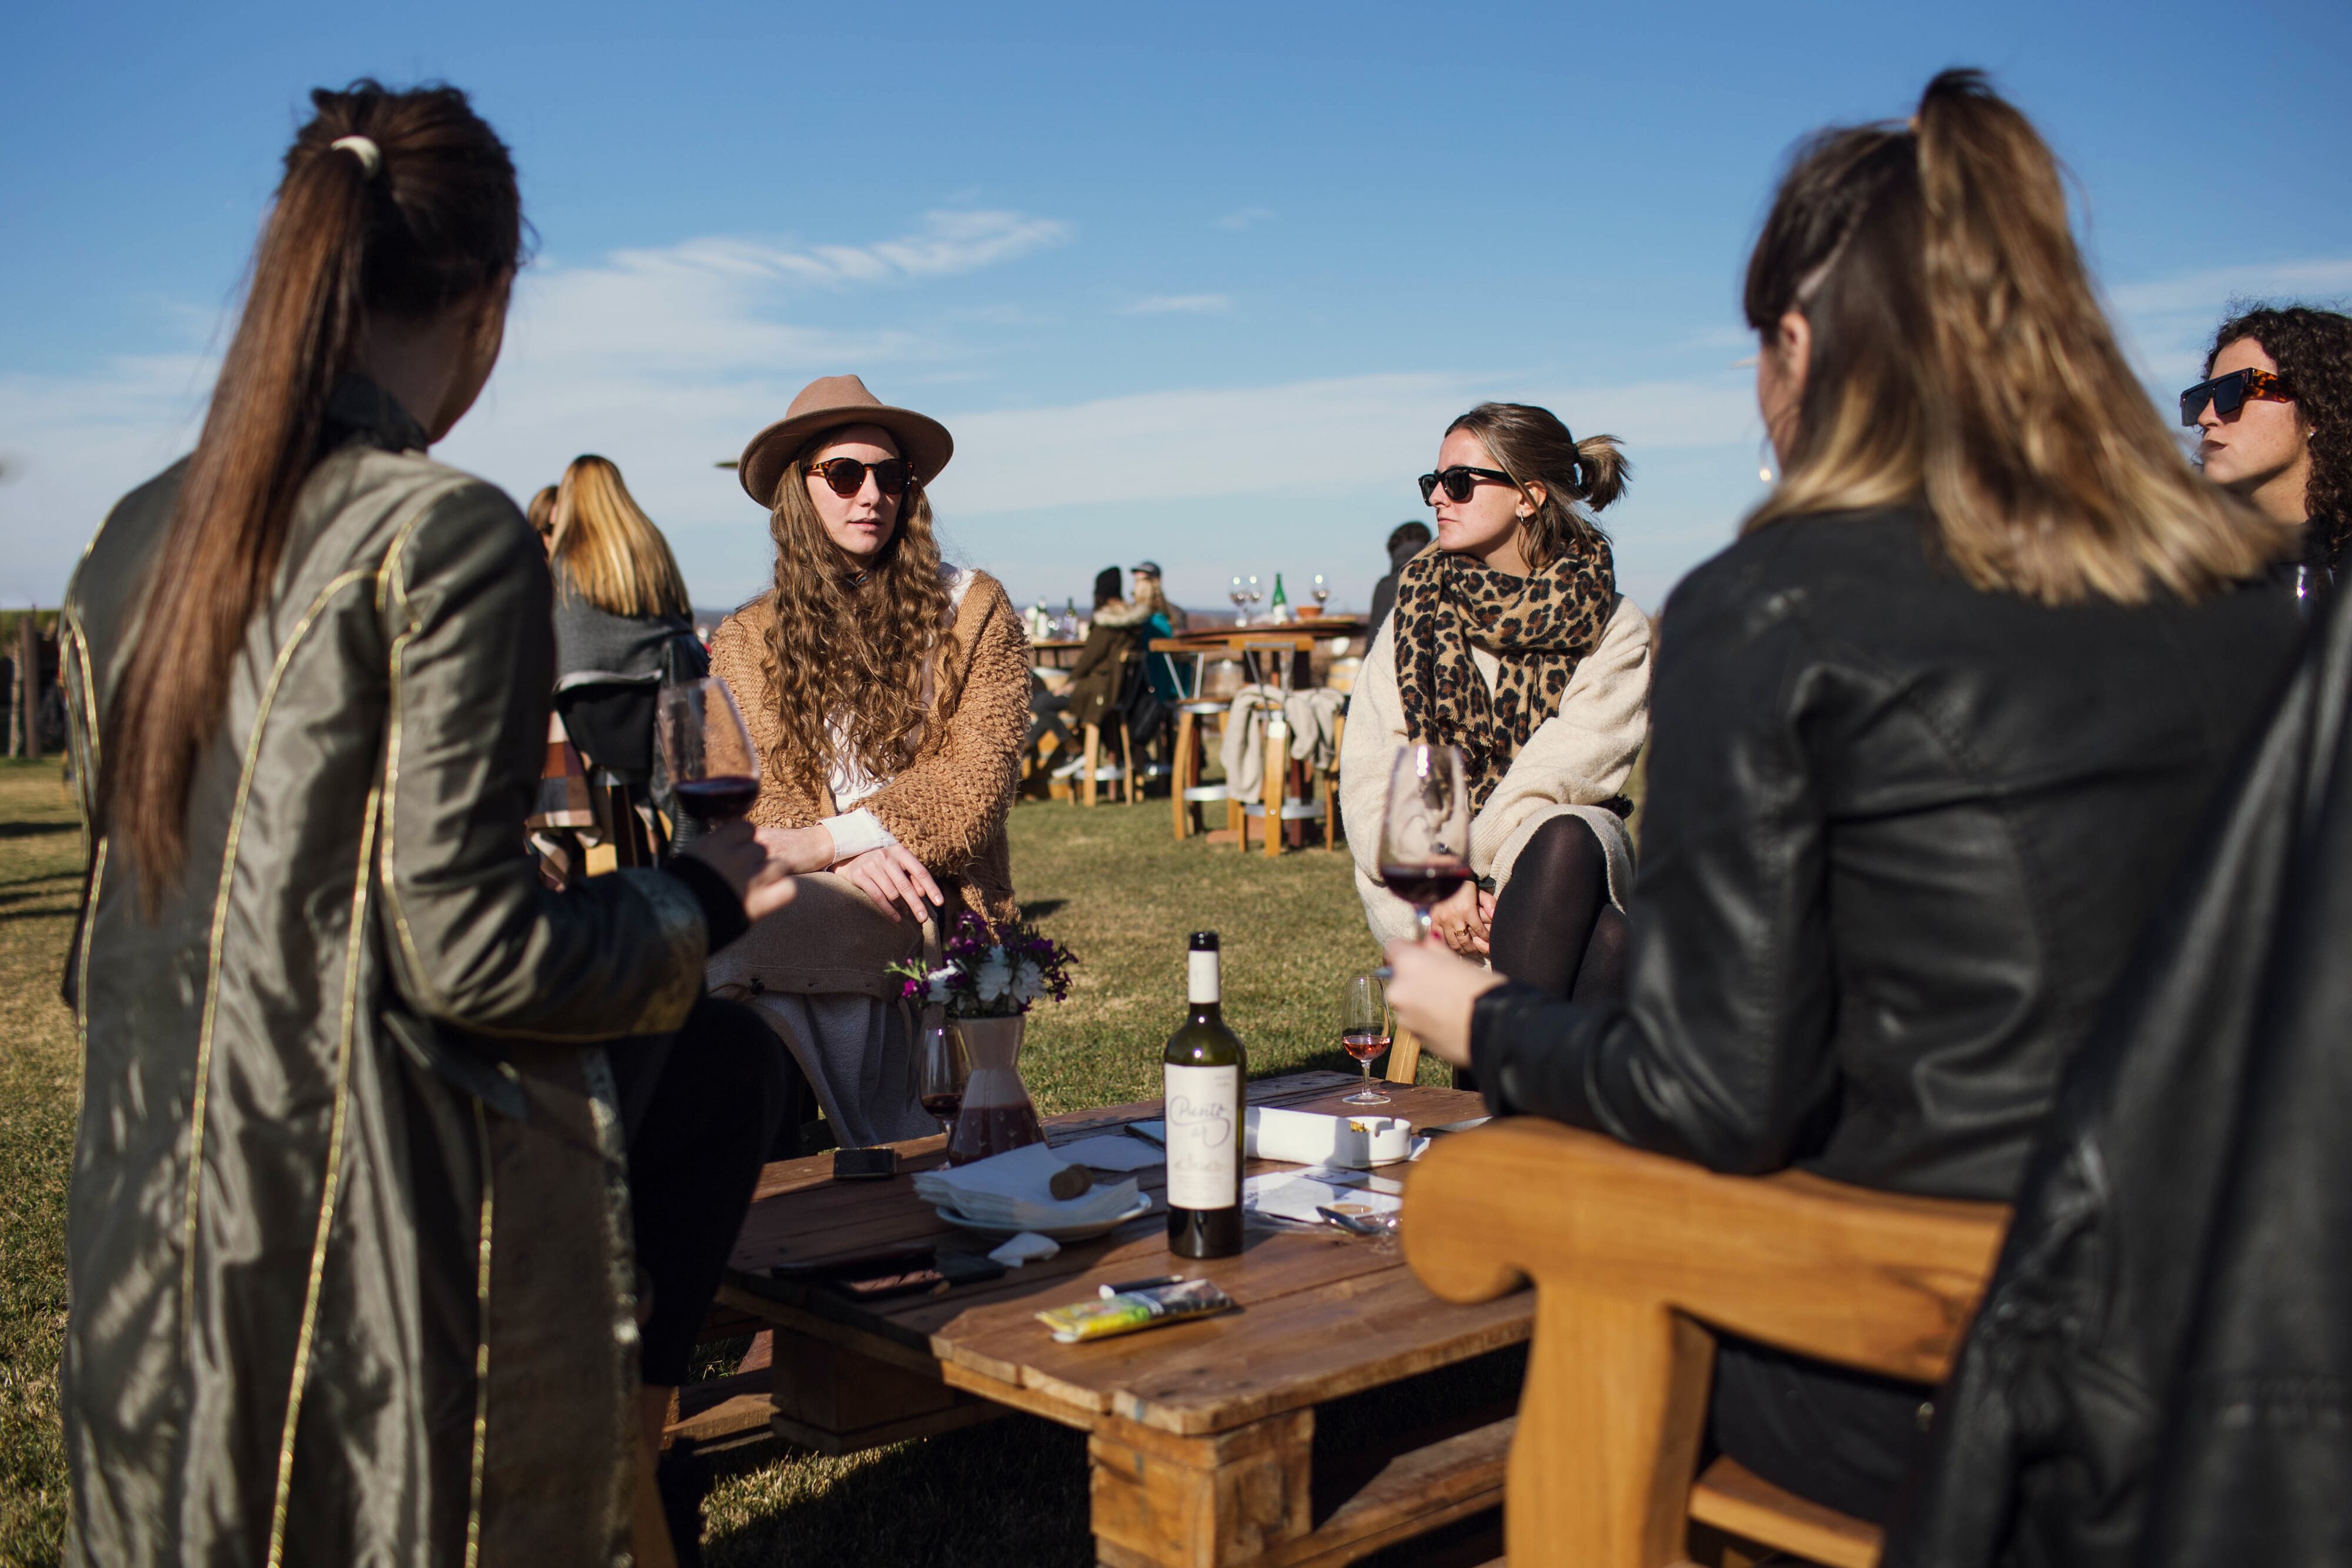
{"type": "Point", "coordinates": [1107, 1292]}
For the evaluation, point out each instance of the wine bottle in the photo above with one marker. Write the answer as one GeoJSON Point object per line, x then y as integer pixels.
{"type": "Point", "coordinates": [1202, 1067]}
{"type": "Point", "coordinates": [1281, 602]}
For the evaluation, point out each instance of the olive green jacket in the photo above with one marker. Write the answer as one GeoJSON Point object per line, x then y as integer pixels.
{"type": "Point", "coordinates": [349, 1263]}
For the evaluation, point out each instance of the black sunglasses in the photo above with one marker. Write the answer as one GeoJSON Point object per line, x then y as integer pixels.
{"type": "Point", "coordinates": [1459, 481]}
{"type": "Point", "coordinates": [847, 475]}
{"type": "Point", "coordinates": [2230, 394]}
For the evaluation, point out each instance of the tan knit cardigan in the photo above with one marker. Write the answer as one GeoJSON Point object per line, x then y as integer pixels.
{"type": "Point", "coordinates": [948, 805]}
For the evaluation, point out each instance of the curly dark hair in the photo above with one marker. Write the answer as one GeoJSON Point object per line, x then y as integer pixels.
{"type": "Point", "coordinates": [2312, 350]}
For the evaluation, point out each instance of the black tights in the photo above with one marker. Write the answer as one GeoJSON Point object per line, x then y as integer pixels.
{"type": "Point", "coordinates": [701, 1110]}
{"type": "Point", "coordinates": [1554, 927]}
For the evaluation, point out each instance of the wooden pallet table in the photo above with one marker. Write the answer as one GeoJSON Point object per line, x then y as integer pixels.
{"type": "Point", "coordinates": [1201, 1436]}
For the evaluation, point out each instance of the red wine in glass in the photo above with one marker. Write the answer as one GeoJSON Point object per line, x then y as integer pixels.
{"type": "Point", "coordinates": [943, 1107]}
{"type": "Point", "coordinates": [720, 799]}
{"type": "Point", "coordinates": [1425, 836]}
{"type": "Point", "coordinates": [1426, 885]}
{"type": "Point", "coordinates": [1366, 1027]}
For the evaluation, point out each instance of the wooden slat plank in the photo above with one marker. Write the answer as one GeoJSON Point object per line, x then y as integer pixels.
{"type": "Point", "coordinates": [1738, 1502]}
{"type": "Point", "coordinates": [1412, 1494]}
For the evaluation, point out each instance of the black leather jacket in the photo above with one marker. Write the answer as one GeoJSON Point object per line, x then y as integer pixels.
{"type": "Point", "coordinates": [1899, 835]}
{"type": "Point", "coordinates": [2161, 1373]}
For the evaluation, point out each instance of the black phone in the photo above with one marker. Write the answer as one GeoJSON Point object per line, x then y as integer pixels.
{"type": "Point", "coordinates": [864, 1165]}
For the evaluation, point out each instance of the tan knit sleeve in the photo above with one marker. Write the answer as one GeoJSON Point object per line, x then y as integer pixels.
{"type": "Point", "coordinates": [949, 805]}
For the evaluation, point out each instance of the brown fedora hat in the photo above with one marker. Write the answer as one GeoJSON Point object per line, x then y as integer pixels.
{"type": "Point", "coordinates": [829, 403]}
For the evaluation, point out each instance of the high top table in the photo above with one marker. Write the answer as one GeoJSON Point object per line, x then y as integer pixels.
{"type": "Point", "coordinates": [1201, 1434]}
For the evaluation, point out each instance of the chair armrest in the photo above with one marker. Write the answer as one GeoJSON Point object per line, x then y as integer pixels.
{"type": "Point", "coordinates": [1636, 1259]}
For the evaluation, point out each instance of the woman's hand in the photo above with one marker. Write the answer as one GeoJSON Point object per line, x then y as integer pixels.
{"type": "Point", "coordinates": [761, 879]}
{"type": "Point", "coordinates": [1465, 920]}
{"type": "Point", "coordinates": [1432, 994]}
{"type": "Point", "coordinates": [800, 850]}
{"type": "Point", "coordinates": [891, 874]}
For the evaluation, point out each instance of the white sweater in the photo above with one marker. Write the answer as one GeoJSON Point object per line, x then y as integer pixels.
{"type": "Point", "coordinates": [1576, 759]}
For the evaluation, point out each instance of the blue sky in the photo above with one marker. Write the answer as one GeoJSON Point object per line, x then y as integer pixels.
{"type": "Point", "coordinates": [1199, 283]}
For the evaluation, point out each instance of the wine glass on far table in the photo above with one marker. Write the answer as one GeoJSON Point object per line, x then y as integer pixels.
{"type": "Point", "coordinates": [1240, 596]}
{"type": "Point", "coordinates": [1425, 837]}
{"type": "Point", "coordinates": [1255, 593]}
{"type": "Point", "coordinates": [1322, 591]}
{"type": "Point", "coordinates": [713, 765]}
{"type": "Point", "coordinates": [941, 1069]}
{"type": "Point", "coordinates": [1366, 1029]}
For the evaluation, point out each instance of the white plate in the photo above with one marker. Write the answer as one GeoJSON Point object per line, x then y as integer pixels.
{"type": "Point", "coordinates": [1058, 1232]}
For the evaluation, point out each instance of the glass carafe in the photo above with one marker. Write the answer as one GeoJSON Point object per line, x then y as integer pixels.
{"type": "Point", "coordinates": [997, 1113]}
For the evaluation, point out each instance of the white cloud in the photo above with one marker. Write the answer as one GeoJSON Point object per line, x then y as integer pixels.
{"type": "Point", "coordinates": [1180, 304]}
{"type": "Point", "coordinates": [2167, 322]}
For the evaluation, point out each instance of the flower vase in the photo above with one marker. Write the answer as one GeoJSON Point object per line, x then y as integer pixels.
{"type": "Point", "coordinates": [997, 1113]}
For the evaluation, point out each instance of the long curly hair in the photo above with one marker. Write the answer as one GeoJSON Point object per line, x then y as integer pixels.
{"type": "Point", "coordinates": [848, 644]}
{"type": "Point", "coordinates": [2312, 350]}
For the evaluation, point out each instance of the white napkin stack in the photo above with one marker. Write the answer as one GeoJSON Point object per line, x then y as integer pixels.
{"type": "Point", "coordinates": [1010, 1190]}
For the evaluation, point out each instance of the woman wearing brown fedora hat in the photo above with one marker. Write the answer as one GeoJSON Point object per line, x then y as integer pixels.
{"type": "Point", "coordinates": [888, 693]}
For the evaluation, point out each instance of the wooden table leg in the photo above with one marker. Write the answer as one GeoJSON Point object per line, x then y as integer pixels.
{"type": "Point", "coordinates": [1165, 1501]}
{"type": "Point", "coordinates": [1277, 766]}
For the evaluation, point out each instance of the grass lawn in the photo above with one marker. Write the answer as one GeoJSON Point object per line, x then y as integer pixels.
{"type": "Point", "coordinates": [1111, 882]}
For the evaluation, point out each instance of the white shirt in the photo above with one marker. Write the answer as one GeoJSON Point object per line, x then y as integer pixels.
{"type": "Point", "coordinates": [856, 831]}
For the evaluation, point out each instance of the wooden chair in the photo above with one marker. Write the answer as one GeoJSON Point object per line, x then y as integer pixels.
{"type": "Point", "coordinates": [1638, 1261]}
{"type": "Point", "coordinates": [1189, 750]}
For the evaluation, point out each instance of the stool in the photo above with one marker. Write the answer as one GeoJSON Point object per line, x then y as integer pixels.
{"type": "Point", "coordinates": [1186, 794]}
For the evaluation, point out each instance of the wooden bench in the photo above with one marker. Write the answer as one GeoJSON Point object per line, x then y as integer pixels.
{"type": "Point", "coordinates": [1637, 1262]}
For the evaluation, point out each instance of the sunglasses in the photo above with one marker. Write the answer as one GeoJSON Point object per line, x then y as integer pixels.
{"type": "Point", "coordinates": [2229, 393]}
{"type": "Point", "coordinates": [847, 475]}
{"type": "Point", "coordinates": [1459, 481]}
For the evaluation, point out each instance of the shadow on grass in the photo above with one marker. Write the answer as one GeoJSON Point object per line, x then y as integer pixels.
{"type": "Point", "coordinates": [1039, 908]}
{"type": "Point", "coordinates": [1009, 1494]}
{"type": "Point", "coordinates": [37, 830]}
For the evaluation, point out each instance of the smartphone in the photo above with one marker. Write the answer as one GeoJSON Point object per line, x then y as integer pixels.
{"type": "Point", "coordinates": [864, 1165]}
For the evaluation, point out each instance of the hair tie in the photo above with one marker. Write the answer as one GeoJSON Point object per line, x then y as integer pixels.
{"type": "Point", "coordinates": [370, 155]}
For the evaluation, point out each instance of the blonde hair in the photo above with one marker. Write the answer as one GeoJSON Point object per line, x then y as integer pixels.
{"type": "Point", "coordinates": [607, 550]}
{"type": "Point", "coordinates": [540, 513]}
{"type": "Point", "coordinates": [1147, 593]}
{"type": "Point", "coordinates": [846, 644]}
{"type": "Point", "coordinates": [1960, 359]}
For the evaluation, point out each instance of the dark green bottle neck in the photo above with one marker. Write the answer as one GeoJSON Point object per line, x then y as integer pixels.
{"type": "Point", "coordinates": [1207, 1012]}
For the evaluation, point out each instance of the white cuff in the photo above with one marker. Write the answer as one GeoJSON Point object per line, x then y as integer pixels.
{"type": "Point", "coordinates": [854, 832]}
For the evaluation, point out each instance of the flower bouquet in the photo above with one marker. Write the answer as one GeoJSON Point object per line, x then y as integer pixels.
{"type": "Point", "coordinates": [985, 975]}
{"type": "Point", "coordinates": [986, 982]}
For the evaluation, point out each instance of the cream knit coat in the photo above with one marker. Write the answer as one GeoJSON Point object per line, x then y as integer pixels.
{"type": "Point", "coordinates": [1576, 759]}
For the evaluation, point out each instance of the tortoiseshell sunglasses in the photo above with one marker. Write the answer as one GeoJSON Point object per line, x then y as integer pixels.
{"type": "Point", "coordinates": [2229, 393]}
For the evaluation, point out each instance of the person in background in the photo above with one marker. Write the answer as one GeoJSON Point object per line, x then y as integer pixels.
{"type": "Point", "coordinates": [1165, 621]}
{"type": "Point", "coordinates": [623, 621]}
{"type": "Point", "coordinates": [2275, 418]}
{"type": "Point", "coordinates": [346, 1275]}
{"type": "Point", "coordinates": [1406, 540]}
{"type": "Point", "coordinates": [1928, 737]}
{"type": "Point", "coordinates": [1510, 641]}
{"type": "Point", "coordinates": [540, 515]}
{"type": "Point", "coordinates": [1099, 687]}
{"type": "Point", "coordinates": [886, 692]}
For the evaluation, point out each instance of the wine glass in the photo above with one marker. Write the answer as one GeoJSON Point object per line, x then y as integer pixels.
{"type": "Point", "coordinates": [713, 765]}
{"type": "Point", "coordinates": [1322, 591]}
{"type": "Point", "coordinates": [941, 1069]}
{"type": "Point", "coordinates": [1425, 838]}
{"type": "Point", "coordinates": [1240, 596]}
{"type": "Point", "coordinates": [1255, 593]}
{"type": "Point", "coordinates": [1366, 1028]}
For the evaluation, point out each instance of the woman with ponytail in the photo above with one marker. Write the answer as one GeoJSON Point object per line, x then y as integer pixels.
{"type": "Point", "coordinates": [352, 1276]}
{"type": "Point", "coordinates": [1927, 739]}
{"type": "Point", "coordinates": [1510, 641]}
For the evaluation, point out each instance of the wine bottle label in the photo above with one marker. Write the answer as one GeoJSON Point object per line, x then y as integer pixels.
{"type": "Point", "coordinates": [1205, 1128]}
{"type": "Point", "coordinates": [1201, 981]}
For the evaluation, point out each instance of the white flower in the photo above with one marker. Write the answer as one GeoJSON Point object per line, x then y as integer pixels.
{"type": "Point", "coordinates": [940, 980]}
{"type": "Point", "coordinates": [995, 976]}
{"type": "Point", "coordinates": [1028, 982]}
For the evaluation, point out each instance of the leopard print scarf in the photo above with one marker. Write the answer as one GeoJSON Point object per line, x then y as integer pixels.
{"type": "Point", "coordinates": [1541, 626]}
